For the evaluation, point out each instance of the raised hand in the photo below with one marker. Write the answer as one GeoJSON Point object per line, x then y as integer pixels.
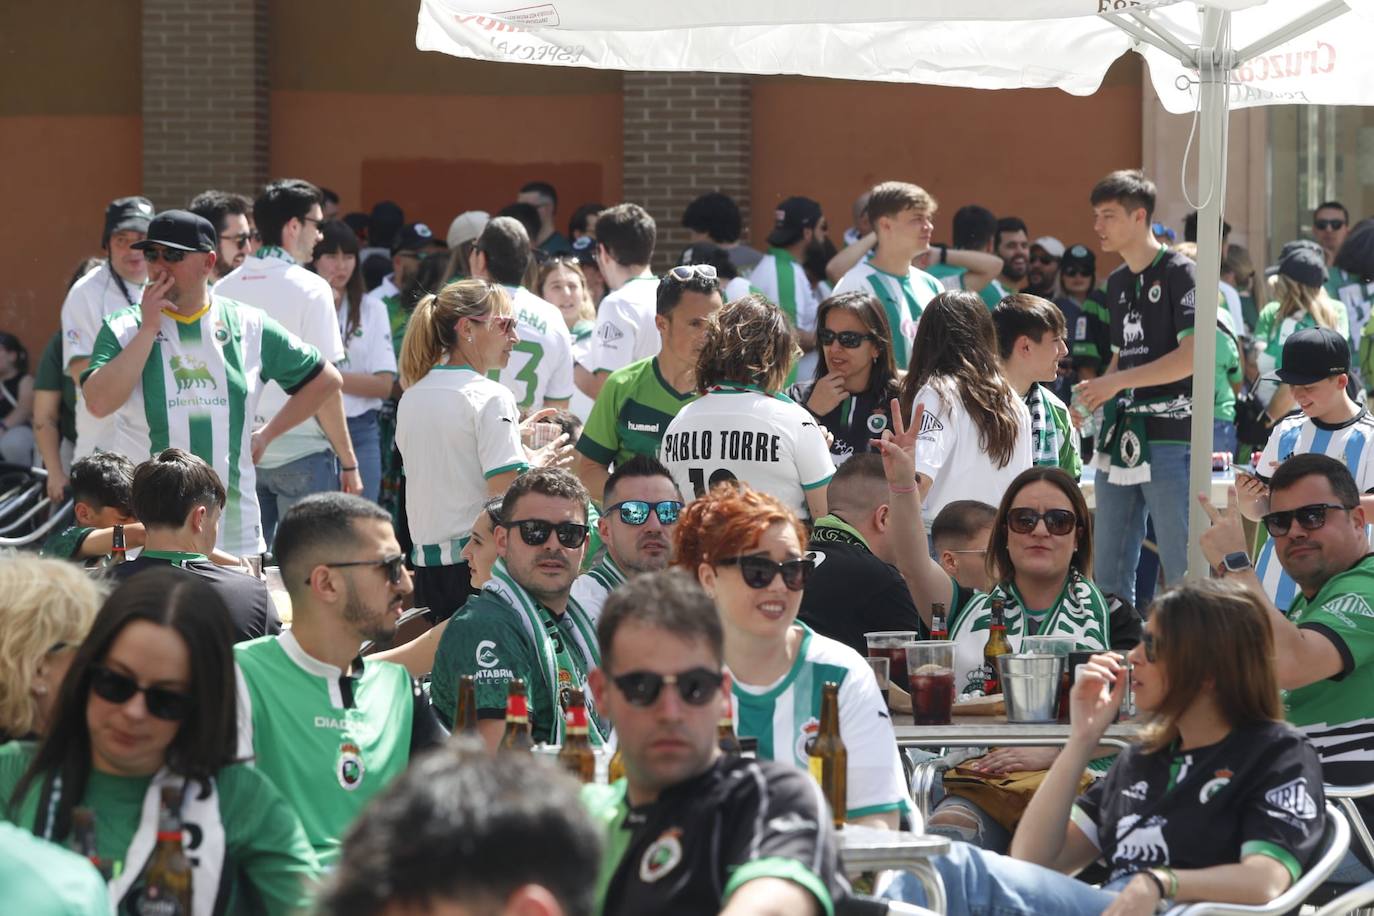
{"type": "Point", "coordinates": [827, 394]}
{"type": "Point", "coordinates": [1098, 688]}
{"type": "Point", "coordinates": [898, 446]}
{"type": "Point", "coordinates": [1226, 534]}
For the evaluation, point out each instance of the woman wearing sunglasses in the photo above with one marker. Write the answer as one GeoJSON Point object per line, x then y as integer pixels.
{"type": "Point", "coordinates": [458, 430]}
{"type": "Point", "coordinates": [745, 548]}
{"type": "Point", "coordinates": [743, 427]}
{"type": "Point", "coordinates": [1221, 801]}
{"type": "Point", "coordinates": [148, 703]}
{"type": "Point", "coordinates": [856, 378]}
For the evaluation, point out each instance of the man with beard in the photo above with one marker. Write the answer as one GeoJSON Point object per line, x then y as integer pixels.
{"type": "Point", "coordinates": [524, 623]}
{"type": "Point", "coordinates": [799, 229]}
{"type": "Point", "coordinates": [1012, 244]}
{"type": "Point", "coordinates": [229, 214]}
{"type": "Point", "coordinates": [329, 730]}
{"type": "Point", "coordinates": [185, 368]}
{"type": "Point", "coordinates": [641, 508]}
{"type": "Point", "coordinates": [1042, 272]}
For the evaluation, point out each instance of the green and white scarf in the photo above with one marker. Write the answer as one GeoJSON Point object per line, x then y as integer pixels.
{"type": "Point", "coordinates": [531, 615]}
{"type": "Point", "coordinates": [1124, 452]}
{"type": "Point", "coordinates": [274, 251]}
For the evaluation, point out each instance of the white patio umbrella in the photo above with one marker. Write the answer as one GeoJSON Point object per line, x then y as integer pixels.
{"type": "Point", "coordinates": [1205, 57]}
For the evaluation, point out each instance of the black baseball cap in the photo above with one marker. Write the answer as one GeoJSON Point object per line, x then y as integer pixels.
{"type": "Point", "coordinates": [1079, 256]}
{"type": "Point", "coordinates": [126, 214]}
{"type": "Point", "coordinates": [415, 237]}
{"type": "Point", "coordinates": [1303, 265]}
{"type": "Point", "coordinates": [182, 230]}
{"type": "Point", "coordinates": [793, 215]}
{"type": "Point", "coordinates": [1290, 247]}
{"type": "Point", "coordinates": [1311, 355]}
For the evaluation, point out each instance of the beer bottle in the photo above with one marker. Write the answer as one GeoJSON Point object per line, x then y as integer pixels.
{"type": "Point", "coordinates": [938, 627]}
{"type": "Point", "coordinates": [828, 759]}
{"type": "Point", "coordinates": [465, 722]}
{"type": "Point", "coordinates": [996, 646]}
{"type": "Point", "coordinates": [118, 552]}
{"type": "Point", "coordinates": [167, 879]}
{"type": "Point", "coordinates": [576, 756]}
{"type": "Point", "coordinates": [517, 736]}
{"type": "Point", "coordinates": [615, 770]}
{"type": "Point", "coordinates": [726, 737]}
{"type": "Point", "coordinates": [83, 839]}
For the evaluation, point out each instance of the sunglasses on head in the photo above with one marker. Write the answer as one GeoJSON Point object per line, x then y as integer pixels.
{"type": "Point", "coordinates": [393, 565]}
{"type": "Point", "coordinates": [1044, 259]}
{"type": "Point", "coordinates": [697, 687]}
{"type": "Point", "coordinates": [113, 687]}
{"type": "Point", "coordinates": [1327, 225]}
{"type": "Point", "coordinates": [170, 255]}
{"type": "Point", "coordinates": [636, 511]}
{"type": "Point", "coordinates": [1147, 642]}
{"type": "Point", "coordinates": [1076, 272]}
{"type": "Point", "coordinates": [1310, 518]}
{"type": "Point", "coordinates": [684, 272]}
{"type": "Point", "coordinates": [758, 572]}
{"type": "Point", "coordinates": [850, 340]}
{"type": "Point", "coordinates": [535, 531]}
{"type": "Point", "coordinates": [1057, 521]}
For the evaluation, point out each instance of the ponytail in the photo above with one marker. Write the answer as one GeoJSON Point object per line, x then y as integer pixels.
{"type": "Point", "coordinates": [432, 332]}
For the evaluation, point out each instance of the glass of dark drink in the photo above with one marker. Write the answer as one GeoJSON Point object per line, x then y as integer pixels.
{"type": "Point", "coordinates": [891, 645]}
{"type": "Point", "coordinates": [930, 666]}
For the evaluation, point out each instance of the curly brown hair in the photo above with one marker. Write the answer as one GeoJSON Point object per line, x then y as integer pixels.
{"type": "Point", "coordinates": [748, 342]}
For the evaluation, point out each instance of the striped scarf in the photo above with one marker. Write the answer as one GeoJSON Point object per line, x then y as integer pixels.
{"type": "Point", "coordinates": [1046, 439]}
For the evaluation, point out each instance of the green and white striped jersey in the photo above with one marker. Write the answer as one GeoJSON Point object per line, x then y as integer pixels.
{"type": "Point", "coordinates": [199, 391]}
{"type": "Point", "coordinates": [903, 299]}
{"type": "Point", "coordinates": [785, 715]}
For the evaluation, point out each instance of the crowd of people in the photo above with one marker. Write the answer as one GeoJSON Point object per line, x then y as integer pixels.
{"type": "Point", "coordinates": [593, 481]}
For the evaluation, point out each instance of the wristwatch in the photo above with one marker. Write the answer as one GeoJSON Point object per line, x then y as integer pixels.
{"type": "Point", "coordinates": [1236, 562]}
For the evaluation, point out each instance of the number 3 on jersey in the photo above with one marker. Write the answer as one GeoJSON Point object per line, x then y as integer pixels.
{"type": "Point", "coordinates": [533, 355]}
{"type": "Point", "coordinates": [699, 483]}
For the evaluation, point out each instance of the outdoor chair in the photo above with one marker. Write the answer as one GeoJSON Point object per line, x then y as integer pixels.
{"type": "Point", "coordinates": [1344, 797]}
{"type": "Point", "coordinates": [27, 516]}
{"type": "Point", "coordinates": [1354, 900]}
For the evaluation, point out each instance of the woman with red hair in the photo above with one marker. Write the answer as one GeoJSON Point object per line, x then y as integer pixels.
{"type": "Point", "coordinates": [746, 549]}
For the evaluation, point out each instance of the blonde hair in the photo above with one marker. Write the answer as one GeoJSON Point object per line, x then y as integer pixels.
{"type": "Point", "coordinates": [46, 602]}
{"type": "Point", "coordinates": [586, 311]}
{"type": "Point", "coordinates": [1294, 297]}
{"type": "Point", "coordinates": [432, 333]}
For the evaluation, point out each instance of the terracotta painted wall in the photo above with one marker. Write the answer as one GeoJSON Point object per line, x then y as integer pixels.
{"type": "Point", "coordinates": [1029, 153]}
{"type": "Point", "coordinates": [68, 146]}
{"type": "Point", "coordinates": [434, 133]}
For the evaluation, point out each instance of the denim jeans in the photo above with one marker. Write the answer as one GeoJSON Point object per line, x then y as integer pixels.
{"type": "Point", "coordinates": [1119, 522]}
{"type": "Point", "coordinates": [1350, 871]}
{"type": "Point", "coordinates": [367, 445]}
{"type": "Point", "coordinates": [282, 487]}
{"type": "Point", "coordinates": [1224, 436]}
{"type": "Point", "coordinates": [982, 883]}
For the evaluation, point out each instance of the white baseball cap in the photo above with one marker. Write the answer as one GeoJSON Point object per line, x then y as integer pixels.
{"type": "Point", "coordinates": [467, 226]}
{"type": "Point", "coordinates": [1052, 246]}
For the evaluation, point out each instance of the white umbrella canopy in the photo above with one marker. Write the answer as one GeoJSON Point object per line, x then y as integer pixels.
{"type": "Point", "coordinates": [1204, 56]}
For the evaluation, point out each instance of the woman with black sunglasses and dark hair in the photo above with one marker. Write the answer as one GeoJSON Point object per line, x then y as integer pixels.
{"type": "Point", "coordinates": [856, 378]}
{"type": "Point", "coordinates": [149, 703]}
{"type": "Point", "coordinates": [746, 549]}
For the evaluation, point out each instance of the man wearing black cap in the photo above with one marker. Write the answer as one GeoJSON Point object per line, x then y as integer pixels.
{"type": "Point", "coordinates": [1085, 315]}
{"type": "Point", "coordinates": [312, 457]}
{"type": "Point", "coordinates": [186, 368]}
{"type": "Point", "coordinates": [116, 284]}
{"type": "Point", "coordinates": [799, 229]}
{"type": "Point", "coordinates": [1316, 366]}
{"type": "Point", "coordinates": [409, 246]}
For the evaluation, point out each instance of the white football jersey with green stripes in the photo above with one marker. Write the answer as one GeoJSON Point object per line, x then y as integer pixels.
{"type": "Point", "coordinates": [199, 391]}
{"type": "Point", "coordinates": [903, 299]}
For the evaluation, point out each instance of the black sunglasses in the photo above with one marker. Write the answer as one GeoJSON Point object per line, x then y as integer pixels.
{"type": "Point", "coordinates": [850, 340]}
{"type": "Point", "coordinates": [1075, 272]}
{"type": "Point", "coordinates": [393, 564]}
{"type": "Point", "coordinates": [697, 687]}
{"type": "Point", "coordinates": [170, 255]}
{"type": "Point", "coordinates": [113, 687]}
{"type": "Point", "coordinates": [758, 572]}
{"type": "Point", "coordinates": [1044, 259]}
{"type": "Point", "coordinates": [1057, 521]}
{"type": "Point", "coordinates": [636, 511]}
{"type": "Point", "coordinates": [241, 240]}
{"type": "Point", "coordinates": [1328, 224]}
{"type": "Point", "coordinates": [1147, 642]}
{"type": "Point", "coordinates": [1310, 518]}
{"type": "Point", "coordinates": [535, 531]}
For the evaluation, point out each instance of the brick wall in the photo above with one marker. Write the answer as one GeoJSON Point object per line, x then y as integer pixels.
{"type": "Point", "coordinates": [205, 101]}
{"type": "Point", "coordinates": [685, 134]}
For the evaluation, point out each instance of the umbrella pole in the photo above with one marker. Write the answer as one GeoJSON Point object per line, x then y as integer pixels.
{"type": "Point", "coordinates": [1213, 64]}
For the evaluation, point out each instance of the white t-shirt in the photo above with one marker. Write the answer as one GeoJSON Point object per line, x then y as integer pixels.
{"type": "Point", "coordinates": [200, 390]}
{"type": "Point", "coordinates": [447, 463]}
{"type": "Point", "coordinates": [734, 289]}
{"type": "Point", "coordinates": [541, 364]}
{"type": "Point", "coordinates": [903, 299]}
{"type": "Point", "coordinates": [949, 453]}
{"type": "Point", "coordinates": [384, 289]}
{"type": "Point", "coordinates": [368, 349]}
{"type": "Point", "coordinates": [739, 432]}
{"type": "Point", "coordinates": [1232, 297]}
{"type": "Point", "coordinates": [302, 302]}
{"type": "Point", "coordinates": [91, 300]}
{"type": "Point", "coordinates": [625, 330]}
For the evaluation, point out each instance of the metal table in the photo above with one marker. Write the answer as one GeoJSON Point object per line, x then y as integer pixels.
{"type": "Point", "coordinates": [996, 731]}
{"type": "Point", "coordinates": [872, 849]}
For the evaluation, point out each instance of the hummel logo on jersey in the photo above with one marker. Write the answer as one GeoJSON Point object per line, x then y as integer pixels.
{"type": "Point", "coordinates": [191, 373]}
{"type": "Point", "coordinates": [1293, 798]}
{"type": "Point", "coordinates": [1136, 791]}
{"type": "Point", "coordinates": [486, 654]}
{"type": "Point", "coordinates": [610, 332]}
